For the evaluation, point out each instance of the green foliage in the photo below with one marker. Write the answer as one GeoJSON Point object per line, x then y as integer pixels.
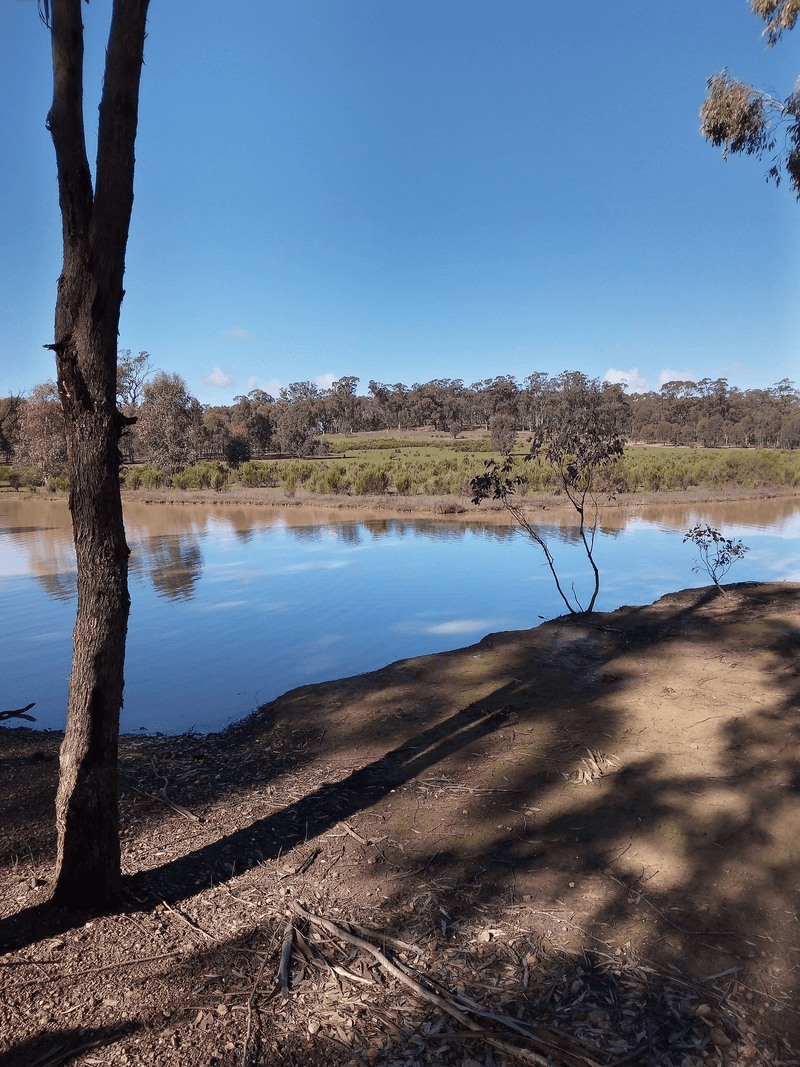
{"type": "Point", "coordinates": [9, 477]}
{"type": "Point", "coordinates": [237, 450]}
{"type": "Point", "coordinates": [741, 119]}
{"type": "Point", "coordinates": [717, 553]}
{"type": "Point", "coordinates": [253, 474]}
{"type": "Point", "coordinates": [652, 469]}
{"type": "Point", "coordinates": [331, 479]}
{"type": "Point", "coordinates": [207, 474]}
{"type": "Point", "coordinates": [147, 477]}
{"type": "Point", "coordinates": [297, 473]}
{"type": "Point", "coordinates": [503, 432]}
{"type": "Point", "coordinates": [585, 439]}
{"type": "Point", "coordinates": [371, 481]}
{"type": "Point", "coordinates": [58, 483]}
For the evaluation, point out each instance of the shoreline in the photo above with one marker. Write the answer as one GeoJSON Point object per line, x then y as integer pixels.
{"type": "Point", "coordinates": [608, 791]}
{"type": "Point", "coordinates": [429, 506]}
{"type": "Point", "coordinates": [452, 506]}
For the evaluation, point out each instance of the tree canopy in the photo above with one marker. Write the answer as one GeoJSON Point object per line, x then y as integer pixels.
{"type": "Point", "coordinates": [743, 120]}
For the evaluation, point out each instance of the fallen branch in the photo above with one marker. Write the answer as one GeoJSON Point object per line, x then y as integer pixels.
{"type": "Point", "coordinates": [446, 1005]}
{"type": "Point", "coordinates": [94, 970]}
{"type": "Point", "coordinates": [192, 926]}
{"type": "Point", "coordinates": [20, 713]}
{"type": "Point", "coordinates": [245, 1050]}
{"type": "Point", "coordinates": [286, 956]}
{"type": "Point", "coordinates": [164, 799]}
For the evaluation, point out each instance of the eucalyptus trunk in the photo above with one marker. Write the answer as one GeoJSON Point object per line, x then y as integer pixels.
{"type": "Point", "coordinates": [95, 234]}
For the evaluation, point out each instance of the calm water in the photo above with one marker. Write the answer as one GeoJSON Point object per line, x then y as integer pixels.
{"type": "Point", "coordinates": [233, 605]}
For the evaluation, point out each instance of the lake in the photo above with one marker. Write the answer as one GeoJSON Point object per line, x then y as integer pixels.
{"type": "Point", "coordinates": [234, 604]}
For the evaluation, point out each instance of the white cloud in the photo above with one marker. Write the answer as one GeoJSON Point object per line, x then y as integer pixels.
{"type": "Point", "coordinates": [630, 379]}
{"type": "Point", "coordinates": [273, 387]}
{"type": "Point", "coordinates": [236, 333]}
{"type": "Point", "coordinates": [461, 626]}
{"type": "Point", "coordinates": [218, 379]}
{"type": "Point", "coordinates": [670, 375]}
{"type": "Point", "coordinates": [325, 381]}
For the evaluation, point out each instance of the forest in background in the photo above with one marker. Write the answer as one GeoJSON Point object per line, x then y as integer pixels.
{"type": "Point", "coordinates": [261, 440]}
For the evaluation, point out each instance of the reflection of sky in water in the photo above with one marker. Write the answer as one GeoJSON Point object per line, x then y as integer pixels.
{"type": "Point", "coordinates": [222, 622]}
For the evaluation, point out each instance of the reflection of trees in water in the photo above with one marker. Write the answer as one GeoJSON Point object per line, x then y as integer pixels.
{"type": "Point", "coordinates": [609, 531]}
{"type": "Point", "coordinates": [62, 585]}
{"type": "Point", "coordinates": [174, 564]}
{"type": "Point", "coordinates": [243, 535]}
{"type": "Point", "coordinates": [349, 533]}
{"type": "Point", "coordinates": [306, 534]}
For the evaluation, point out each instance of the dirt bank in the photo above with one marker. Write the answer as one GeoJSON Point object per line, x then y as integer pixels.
{"type": "Point", "coordinates": [449, 505]}
{"type": "Point", "coordinates": [588, 830]}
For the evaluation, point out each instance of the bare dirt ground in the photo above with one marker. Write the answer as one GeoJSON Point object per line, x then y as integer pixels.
{"type": "Point", "coordinates": [575, 845]}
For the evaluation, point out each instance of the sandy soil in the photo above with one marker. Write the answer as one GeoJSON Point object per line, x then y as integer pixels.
{"type": "Point", "coordinates": [585, 836]}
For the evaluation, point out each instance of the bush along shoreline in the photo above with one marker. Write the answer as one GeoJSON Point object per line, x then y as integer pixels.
{"type": "Point", "coordinates": [430, 467]}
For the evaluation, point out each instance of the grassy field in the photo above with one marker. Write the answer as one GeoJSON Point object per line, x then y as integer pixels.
{"type": "Point", "coordinates": [437, 465]}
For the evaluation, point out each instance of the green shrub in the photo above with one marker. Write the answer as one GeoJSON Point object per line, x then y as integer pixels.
{"type": "Point", "coordinates": [333, 479]}
{"type": "Point", "coordinates": [207, 474]}
{"type": "Point", "coordinates": [58, 483]}
{"type": "Point", "coordinates": [296, 473]}
{"type": "Point", "coordinates": [371, 481]}
{"type": "Point", "coordinates": [404, 483]}
{"type": "Point", "coordinates": [10, 477]}
{"type": "Point", "coordinates": [146, 477]}
{"type": "Point", "coordinates": [252, 474]}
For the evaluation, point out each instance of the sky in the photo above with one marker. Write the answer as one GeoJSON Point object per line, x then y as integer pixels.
{"type": "Point", "coordinates": [404, 190]}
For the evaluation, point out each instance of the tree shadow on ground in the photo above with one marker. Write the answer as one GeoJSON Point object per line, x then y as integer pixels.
{"type": "Point", "coordinates": [684, 848]}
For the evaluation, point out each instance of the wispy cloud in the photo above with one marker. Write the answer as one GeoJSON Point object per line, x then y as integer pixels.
{"type": "Point", "coordinates": [738, 370]}
{"type": "Point", "coordinates": [273, 387]}
{"type": "Point", "coordinates": [454, 626]}
{"type": "Point", "coordinates": [670, 375]}
{"type": "Point", "coordinates": [461, 626]}
{"type": "Point", "coordinates": [236, 333]}
{"type": "Point", "coordinates": [325, 381]}
{"type": "Point", "coordinates": [631, 379]}
{"type": "Point", "coordinates": [218, 379]}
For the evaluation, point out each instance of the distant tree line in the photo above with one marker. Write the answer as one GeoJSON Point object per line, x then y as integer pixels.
{"type": "Point", "coordinates": [172, 429]}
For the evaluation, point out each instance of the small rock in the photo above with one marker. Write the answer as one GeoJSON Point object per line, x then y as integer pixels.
{"type": "Point", "coordinates": [719, 1037]}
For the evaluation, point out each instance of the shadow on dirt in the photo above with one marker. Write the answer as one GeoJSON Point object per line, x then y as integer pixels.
{"type": "Point", "coordinates": [625, 781]}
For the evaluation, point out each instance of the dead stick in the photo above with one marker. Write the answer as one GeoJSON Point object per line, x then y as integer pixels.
{"type": "Point", "coordinates": [286, 956]}
{"type": "Point", "coordinates": [192, 926]}
{"type": "Point", "coordinates": [420, 990]}
{"type": "Point", "coordinates": [94, 970]}
{"type": "Point", "coordinates": [170, 803]}
{"type": "Point", "coordinates": [250, 1011]}
{"type": "Point", "coordinates": [20, 713]}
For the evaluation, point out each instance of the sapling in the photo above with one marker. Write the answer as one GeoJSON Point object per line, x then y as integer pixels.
{"type": "Point", "coordinates": [717, 552]}
{"type": "Point", "coordinates": [584, 437]}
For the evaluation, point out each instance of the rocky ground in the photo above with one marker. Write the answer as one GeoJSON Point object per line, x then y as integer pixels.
{"type": "Point", "coordinates": [575, 845]}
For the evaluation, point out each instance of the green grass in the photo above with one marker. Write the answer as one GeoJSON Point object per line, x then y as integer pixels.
{"type": "Point", "coordinates": [424, 467]}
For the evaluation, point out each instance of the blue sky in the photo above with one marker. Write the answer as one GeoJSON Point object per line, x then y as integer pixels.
{"type": "Point", "coordinates": [416, 189]}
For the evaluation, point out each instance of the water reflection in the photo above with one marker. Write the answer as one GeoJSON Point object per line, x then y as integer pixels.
{"type": "Point", "coordinates": [173, 563]}
{"type": "Point", "coordinates": [59, 586]}
{"type": "Point", "coordinates": [233, 605]}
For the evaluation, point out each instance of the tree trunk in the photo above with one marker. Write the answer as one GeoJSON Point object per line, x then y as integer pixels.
{"type": "Point", "coordinates": [95, 233]}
